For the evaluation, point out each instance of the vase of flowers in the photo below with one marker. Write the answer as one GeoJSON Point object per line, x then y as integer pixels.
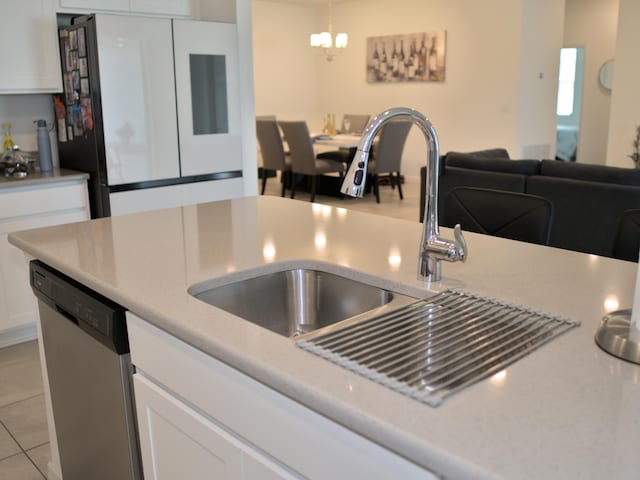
{"type": "Point", "coordinates": [635, 156]}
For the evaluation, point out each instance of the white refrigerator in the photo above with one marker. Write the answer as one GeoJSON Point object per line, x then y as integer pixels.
{"type": "Point", "coordinates": [151, 110]}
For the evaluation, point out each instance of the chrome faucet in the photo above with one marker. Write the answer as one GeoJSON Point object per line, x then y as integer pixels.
{"type": "Point", "coordinates": [433, 248]}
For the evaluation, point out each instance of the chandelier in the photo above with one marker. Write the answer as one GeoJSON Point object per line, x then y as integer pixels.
{"type": "Point", "coordinates": [325, 40]}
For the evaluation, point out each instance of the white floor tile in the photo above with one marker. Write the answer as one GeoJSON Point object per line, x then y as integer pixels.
{"type": "Point", "coordinates": [19, 467]}
{"type": "Point", "coordinates": [27, 422]}
{"type": "Point", "coordinates": [390, 204]}
{"type": "Point", "coordinates": [8, 446]}
{"type": "Point", "coordinates": [41, 456]}
{"type": "Point", "coordinates": [20, 373]}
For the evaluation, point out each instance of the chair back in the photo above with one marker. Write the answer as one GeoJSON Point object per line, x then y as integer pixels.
{"type": "Point", "coordinates": [627, 241]}
{"type": "Point", "coordinates": [356, 123]}
{"type": "Point", "coordinates": [517, 216]}
{"type": "Point", "coordinates": [303, 158]}
{"type": "Point", "coordinates": [271, 148]}
{"type": "Point", "coordinates": [388, 152]}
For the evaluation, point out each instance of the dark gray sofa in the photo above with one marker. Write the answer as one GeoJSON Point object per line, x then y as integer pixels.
{"type": "Point", "coordinates": [588, 200]}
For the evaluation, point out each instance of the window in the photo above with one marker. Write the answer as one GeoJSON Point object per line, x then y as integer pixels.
{"type": "Point", "coordinates": [567, 81]}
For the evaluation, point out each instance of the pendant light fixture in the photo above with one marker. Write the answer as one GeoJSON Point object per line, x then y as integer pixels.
{"type": "Point", "coordinates": [325, 40]}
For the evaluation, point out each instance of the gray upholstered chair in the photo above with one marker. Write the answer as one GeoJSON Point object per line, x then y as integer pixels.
{"type": "Point", "coordinates": [627, 242]}
{"type": "Point", "coordinates": [387, 155]}
{"type": "Point", "coordinates": [517, 216]}
{"type": "Point", "coordinates": [354, 124]}
{"type": "Point", "coordinates": [272, 151]}
{"type": "Point", "coordinates": [303, 158]}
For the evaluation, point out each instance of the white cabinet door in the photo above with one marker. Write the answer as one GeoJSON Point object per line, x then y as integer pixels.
{"type": "Point", "coordinates": [23, 209]}
{"type": "Point", "coordinates": [285, 432]}
{"type": "Point", "coordinates": [29, 42]}
{"type": "Point", "coordinates": [96, 5]}
{"type": "Point", "coordinates": [138, 99]}
{"type": "Point", "coordinates": [182, 8]}
{"type": "Point", "coordinates": [207, 89]}
{"type": "Point", "coordinates": [178, 442]}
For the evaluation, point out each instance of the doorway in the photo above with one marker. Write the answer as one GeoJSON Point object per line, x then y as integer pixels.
{"type": "Point", "coordinates": [569, 101]}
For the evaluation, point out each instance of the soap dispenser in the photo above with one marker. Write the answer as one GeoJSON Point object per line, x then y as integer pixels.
{"type": "Point", "coordinates": [44, 146]}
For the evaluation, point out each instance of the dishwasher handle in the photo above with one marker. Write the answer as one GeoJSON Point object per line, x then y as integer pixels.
{"type": "Point", "coordinates": [66, 314]}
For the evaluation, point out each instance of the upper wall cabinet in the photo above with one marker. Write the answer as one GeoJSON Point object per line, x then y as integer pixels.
{"type": "Point", "coordinates": [171, 8]}
{"type": "Point", "coordinates": [29, 38]}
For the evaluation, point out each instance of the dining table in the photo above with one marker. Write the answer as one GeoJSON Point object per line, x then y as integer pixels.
{"type": "Point", "coordinates": [340, 140]}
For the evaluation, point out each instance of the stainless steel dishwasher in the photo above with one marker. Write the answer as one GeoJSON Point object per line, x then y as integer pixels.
{"type": "Point", "coordinates": [89, 368]}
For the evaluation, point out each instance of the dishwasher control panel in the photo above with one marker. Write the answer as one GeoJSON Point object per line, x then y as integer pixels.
{"type": "Point", "coordinates": [97, 315]}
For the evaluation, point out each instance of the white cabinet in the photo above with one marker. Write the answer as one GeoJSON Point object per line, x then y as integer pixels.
{"type": "Point", "coordinates": [30, 49]}
{"type": "Point", "coordinates": [174, 8]}
{"type": "Point", "coordinates": [22, 208]}
{"type": "Point", "coordinates": [96, 5]}
{"type": "Point", "coordinates": [178, 442]}
{"type": "Point", "coordinates": [181, 8]}
{"type": "Point", "coordinates": [213, 414]}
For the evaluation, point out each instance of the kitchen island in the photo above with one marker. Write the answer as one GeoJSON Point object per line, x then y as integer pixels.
{"type": "Point", "coordinates": [566, 410]}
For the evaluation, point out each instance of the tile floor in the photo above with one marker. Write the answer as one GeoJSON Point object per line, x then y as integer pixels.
{"type": "Point", "coordinates": [390, 204]}
{"type": "Point", "coordinates": [24, 447]}
{"type": "Point", "coordinates": [24, 442]}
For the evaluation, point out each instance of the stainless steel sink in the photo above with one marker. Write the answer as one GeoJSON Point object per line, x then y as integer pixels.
{"type": "Point", "coordinates": [297, 301]}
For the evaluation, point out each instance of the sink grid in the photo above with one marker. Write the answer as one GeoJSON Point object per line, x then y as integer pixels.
{"type": "Point", "coordinates": [433, 348]}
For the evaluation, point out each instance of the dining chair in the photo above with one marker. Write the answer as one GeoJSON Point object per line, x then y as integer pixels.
{"type": "Point", "coordinates": [274, 157]}
{"type": "Point", "coordinates": [514, 215]}
{"type": "Point", "coordinates": [627, 240]}
{"type": "Point", "coordinates": [303, 159]}
{"type": "Point", "coordinates": [386, 155]}
{"type": "Point", "coordinates": [351, 124]}
{"type": "Point", "coordinates": [354, 124]}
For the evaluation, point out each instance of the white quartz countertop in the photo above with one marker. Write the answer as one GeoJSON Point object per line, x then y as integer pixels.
{"type": "Point", "coordinates": [38, 178]}
{"type": "Point", "coordinates": [567, 410]}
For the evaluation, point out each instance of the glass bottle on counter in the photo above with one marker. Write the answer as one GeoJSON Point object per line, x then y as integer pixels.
{"type": "Point", "coordinates": [8, 141]}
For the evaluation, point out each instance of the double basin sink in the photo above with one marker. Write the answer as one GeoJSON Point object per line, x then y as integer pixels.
{"type": "Point", "coordinates": [297, 301]}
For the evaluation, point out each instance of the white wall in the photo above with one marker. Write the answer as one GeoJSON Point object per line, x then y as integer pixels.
{"type": "Point", "coordinates": [625, 101]}
{"type": "Point", "coordinates": [592, 25]}
{"type": "Point", "coordinates": [478, 105]}
{"type": "Point", "coordinates": [539, 55]}
{"type": "Point", "coordinates": [284, 65]}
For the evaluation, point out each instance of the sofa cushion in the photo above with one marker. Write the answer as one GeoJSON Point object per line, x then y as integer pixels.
{"type": "Point", "coordinates": [503, 165]}
{"type": "Point", "coordinates": [590, 173]}
{"type": "Point", "coordinates": [586, 213]}
{"type": "Point", "coordinates": [489, 153]}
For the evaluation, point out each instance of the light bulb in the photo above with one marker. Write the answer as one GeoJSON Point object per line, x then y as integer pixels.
{"type": "Point", "coordinates": [341, 40]}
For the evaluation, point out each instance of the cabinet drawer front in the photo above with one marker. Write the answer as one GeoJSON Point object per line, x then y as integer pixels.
{"type": "Point", "coordinates": [36, 200]}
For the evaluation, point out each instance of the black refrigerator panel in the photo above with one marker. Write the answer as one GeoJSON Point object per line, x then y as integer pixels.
{"type": "Point", "coordinates": [78, 111]}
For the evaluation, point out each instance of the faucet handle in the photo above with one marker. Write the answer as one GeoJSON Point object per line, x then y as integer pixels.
{"type": "Point", "coordinates": [461, 244]}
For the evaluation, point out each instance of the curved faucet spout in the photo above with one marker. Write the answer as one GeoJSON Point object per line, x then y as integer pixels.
{"type": "Point", "coordinates": [433, 247]}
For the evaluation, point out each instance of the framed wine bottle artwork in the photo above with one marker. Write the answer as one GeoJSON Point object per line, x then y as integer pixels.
{"type": "Point", "coordinates": [414, 57]}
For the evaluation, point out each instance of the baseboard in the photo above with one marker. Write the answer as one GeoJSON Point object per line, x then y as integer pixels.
{"type": "Point", "coordinates": [15, 335]}
{"type": "Point", "coordinates": [53, 473]}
